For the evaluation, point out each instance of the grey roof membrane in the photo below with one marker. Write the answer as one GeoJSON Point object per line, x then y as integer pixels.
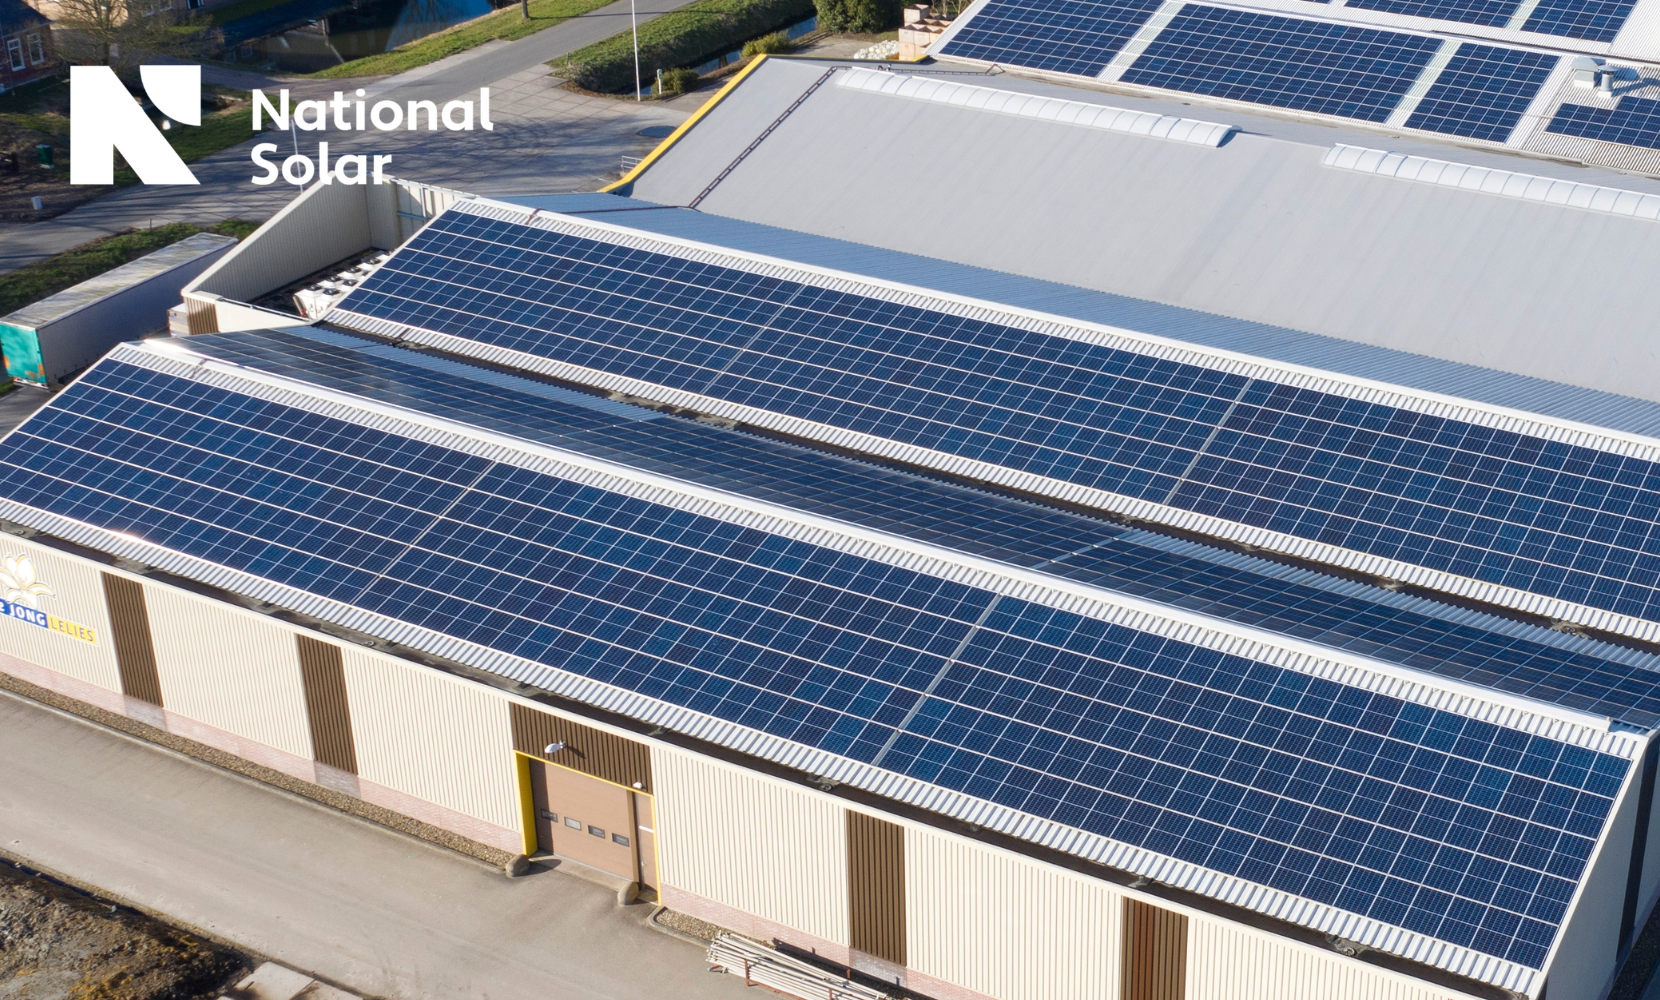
{"type": "Point", "coordinates": [1256, 230]}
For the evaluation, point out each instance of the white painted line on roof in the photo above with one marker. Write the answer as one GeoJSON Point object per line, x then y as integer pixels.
{"type": "Point", "coordinates": [1486, 180]}
{"type": "Point", "coordinates": [1426, 79]}
{"type": "Point", "coordinates": [1009, 102]}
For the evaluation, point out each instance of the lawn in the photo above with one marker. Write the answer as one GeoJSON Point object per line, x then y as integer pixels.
{"type": "Point", "coordinates": [506, 24]}
{"type": "Point", "coordinates": [46, 277]}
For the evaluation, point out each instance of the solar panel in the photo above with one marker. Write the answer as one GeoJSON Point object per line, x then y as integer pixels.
{"type": "Point", "coordinates": [1493, 13]}
{"type": "Point", "coordinates": [1449, 826]}
{"type": "Point", "coordinates": [1061, 36]}
{"type": "Point", "coordinates": [1634, 121]}
{"type": "Point", "coordinates": [1483, 92]}
{"type": "Point", "coordinates": [1548, 517]}
{"type": "Point", "coordinates": [1591, 20]}
{"type": "Point", "coordinates": [1286, 62]}
{"type": "Point", "coordinates": [1397, 629]}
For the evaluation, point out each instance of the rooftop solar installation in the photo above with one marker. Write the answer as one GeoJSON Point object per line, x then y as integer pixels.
{"type": "Point", "coordinates": [1590, 20]}
{"type": "Point", "coordinates": [1531, 662]}
{"type": "Point", "coordinates": [1179, 742]}
{"type": "Point", "coordinates": [1286, 62]}
{"type": "Point", "coordinates": [1087, 418]}
{"type": "Point", "coordinates": [1634, 121]}
{"type": "Point", "coordinates": [1492, 13]}
{"type": "Point", "coordinates": [1061, 36]}
{"type": "Point", "coordinates": [1483, 92]}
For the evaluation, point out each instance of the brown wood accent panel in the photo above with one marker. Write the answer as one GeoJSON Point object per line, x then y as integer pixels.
{"type": "Point", "coordinates": [323, 676]}
{"type": "Point", "coordinates": [590, 751]}
{"type": "Point", "coordinates": [876, 886]}
{"type": "Point", "coordinates": [135, 653]}
{"type": "Point", "coordinates": [1155, 953]}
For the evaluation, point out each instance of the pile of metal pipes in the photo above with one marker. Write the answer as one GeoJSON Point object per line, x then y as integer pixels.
{"type": "Point", "coordinates": [762, 966]}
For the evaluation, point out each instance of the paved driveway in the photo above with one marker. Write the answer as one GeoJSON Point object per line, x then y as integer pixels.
{"type": "Point", "coordinates": [372, 910]}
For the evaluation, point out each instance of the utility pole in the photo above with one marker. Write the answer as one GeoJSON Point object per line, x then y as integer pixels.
{"type": "Point", "coordinates": [524, 10]}
{"type": "Point", "coordinates": [635, 23]}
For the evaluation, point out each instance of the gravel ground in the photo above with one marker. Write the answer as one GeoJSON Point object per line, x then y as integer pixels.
{"type": "Point", "coordinates": [57, 943]}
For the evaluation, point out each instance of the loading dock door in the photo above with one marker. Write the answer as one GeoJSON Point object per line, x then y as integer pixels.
{"type": "Point", "coordinates": [586, 819]}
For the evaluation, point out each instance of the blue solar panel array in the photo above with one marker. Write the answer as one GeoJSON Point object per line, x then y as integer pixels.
{"type": "Point", "coordinates": [1062, 36]}
{"type": "Point", "coordinates": [1591, 20]}
{"type": "Point", "coordinates": [1540, 516]}
{"type": "Point", "coordinates": [1492, 13]}
{"type": "Point", "coordinates": [1246, 591]}
{"type": "Point", "coordinates": [1455, 828]}
{"type": "Point", "coordinates": [1287, 62]}
{"type": "Point", "coordinates": [1483, 92]}
{"type": "Point", "coordinates": [1634, 121]}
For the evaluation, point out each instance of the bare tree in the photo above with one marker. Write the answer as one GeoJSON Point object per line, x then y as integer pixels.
{"type": "Point", "coordinates": [124, 33]}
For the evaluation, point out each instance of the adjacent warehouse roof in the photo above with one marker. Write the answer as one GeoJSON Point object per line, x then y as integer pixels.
{"type": "Point", "coordinates": [1423, 817]}
{"type": "Point", "coordinates": [1259, 228]}
{"type": "Point", "coordinates": [1537, 514]}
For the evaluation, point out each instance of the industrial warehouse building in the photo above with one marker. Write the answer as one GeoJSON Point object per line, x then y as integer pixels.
{"type": "Point", "coordinates": [1186, 545]}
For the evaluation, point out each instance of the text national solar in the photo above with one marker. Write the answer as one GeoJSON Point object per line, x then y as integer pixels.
{"type": "Point", "coordinates": [1075, 417]}
{"type": "Point", "coordinates": [1464, 831]}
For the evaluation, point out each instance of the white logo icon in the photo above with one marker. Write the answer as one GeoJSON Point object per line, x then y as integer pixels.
{"type": "Point", "coordinates": [104, 118]}
{"type": "Point", "coordinates": [20, 585]}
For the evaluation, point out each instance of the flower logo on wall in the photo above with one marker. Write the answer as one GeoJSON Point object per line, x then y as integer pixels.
{"type": "Point", "coordinates": [20, 586]}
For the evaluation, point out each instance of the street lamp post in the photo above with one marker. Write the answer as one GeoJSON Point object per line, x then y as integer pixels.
{"type": "Point", "coordinates": [634, 22]}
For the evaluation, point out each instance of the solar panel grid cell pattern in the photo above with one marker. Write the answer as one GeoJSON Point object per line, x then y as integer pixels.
{"type": "Point", "coordinates": [1286, 62]}
{"type": "Point", "coordinates": [1591, 20]}
{"type": "Point", "coordinates": [1493, 13]}
{"type": "Point", "coordinates": [1450, 826]}
{"type": "Point", "coordinates": [1021, 534]}
{"type": "Point", "coordinates": [1634, 121]}
{"type": "Point", "coordinates": [1061, 36]}
{"type": "Point", "coordinates": [1483, 92]}
{"type": "Point", "coordinates": [1555, 519]}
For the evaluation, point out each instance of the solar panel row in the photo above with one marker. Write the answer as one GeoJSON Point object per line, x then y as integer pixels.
{"type": "Point", "coordinates": [1492, 13]}
{"type": "Point", "coordinates": [1591, 20]}
{"type": "Point", "coordinates": [1528, 662]}
{"type": "Point", "coordinates": [1634, 121]}
{"type": "Point", "coordinates": [1062, 36]}
{"type": "Point", "coordinates": [1555, 519]}
{"type": "Point", "coordinates": [1456, 828]}
{"type": "Point", "coordinates": [1483, 92]}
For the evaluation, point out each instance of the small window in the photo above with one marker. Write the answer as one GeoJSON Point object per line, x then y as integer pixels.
{"type": "Point", "coordinates": [619, 838]}
{"type": "Point", "coordinates": [574, 824]}
{"type": "Point", "coordinates": [594, 831]}
{"type": "Point", "coordinates": [14, 48]}
{"type": "Point", "coordinates": [37, 51]}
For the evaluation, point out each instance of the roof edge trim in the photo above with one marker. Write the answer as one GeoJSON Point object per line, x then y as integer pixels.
{"type": "Point", "coordinates": [626, 183]}
{"type": "Point", "coordinates": [1488, 180]}
{"type": "Point", "coordinates": [1081, 113]}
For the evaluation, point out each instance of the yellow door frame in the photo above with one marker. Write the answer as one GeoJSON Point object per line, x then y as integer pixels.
{"type": "Point", "coordinates": [527, 809]}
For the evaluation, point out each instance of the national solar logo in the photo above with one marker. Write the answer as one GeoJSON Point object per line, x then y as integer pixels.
{"type": "Point", "coordinates": [20, 595]}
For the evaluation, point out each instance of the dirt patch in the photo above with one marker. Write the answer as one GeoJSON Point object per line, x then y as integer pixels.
{"type": "Point", "coordinates": [60, 944]}
{"type": "Point", "coordinates": [682, 922]}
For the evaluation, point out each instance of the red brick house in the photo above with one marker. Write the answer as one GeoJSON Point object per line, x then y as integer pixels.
{"type": "Point", "coordinates": [26, 53]}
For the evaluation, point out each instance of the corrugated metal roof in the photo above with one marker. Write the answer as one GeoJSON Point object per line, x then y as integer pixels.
{"type": "Point", "coordinates": [78, 297]}
{"type": "Point", "coordinates": [1255, 230]}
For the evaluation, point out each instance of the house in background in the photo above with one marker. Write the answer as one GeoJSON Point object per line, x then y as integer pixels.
{"type": "Point", "coordinates": [26, 37]}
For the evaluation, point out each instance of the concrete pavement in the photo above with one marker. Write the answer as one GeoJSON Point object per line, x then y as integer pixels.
{"type": "Point", "coordinates": [371, 910]}
{"type": "Point", "coordinates": [547, 140]}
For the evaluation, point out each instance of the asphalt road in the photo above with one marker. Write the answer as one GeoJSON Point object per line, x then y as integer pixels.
{"type": "Point", "coordinates": [342, 899]}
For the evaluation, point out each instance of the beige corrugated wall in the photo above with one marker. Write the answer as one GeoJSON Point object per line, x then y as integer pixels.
{"type": "Point", "coordinates": [1006, 926]}
{"type": "Point", "coordinates": [1229, 962]}
{"type": "Point", "coordinates": [433, 736]}
{"type": "Point", "coordinates": [746, 841]}
{"type": "Point", "coordinates": [77, 596]}
{"type": "Point", "coordinates": [232, 670]}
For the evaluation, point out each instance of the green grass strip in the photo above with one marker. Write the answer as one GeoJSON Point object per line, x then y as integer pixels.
{"type": "Point", "coordinates": [34, 282]}
{"type": "Point", "coordinates": [683, 37]}
{"type": "Point", "coordinates": [507, 24]}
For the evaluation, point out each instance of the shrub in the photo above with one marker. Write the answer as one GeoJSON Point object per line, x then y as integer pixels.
{"type": "Point", "coordinates": [679, 81]}
{"type": "Point", "coordinates": [683, 37]}
{"type": "Point", "coordinates": [865, 17]}
{"type": "Point", "coordinates": [768, 45]}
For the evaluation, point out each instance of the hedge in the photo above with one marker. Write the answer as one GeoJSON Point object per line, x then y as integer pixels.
{"type": "Point", "coordinates": [684, 37]}
{"type": "Point", "coordinates": [859, 16]}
